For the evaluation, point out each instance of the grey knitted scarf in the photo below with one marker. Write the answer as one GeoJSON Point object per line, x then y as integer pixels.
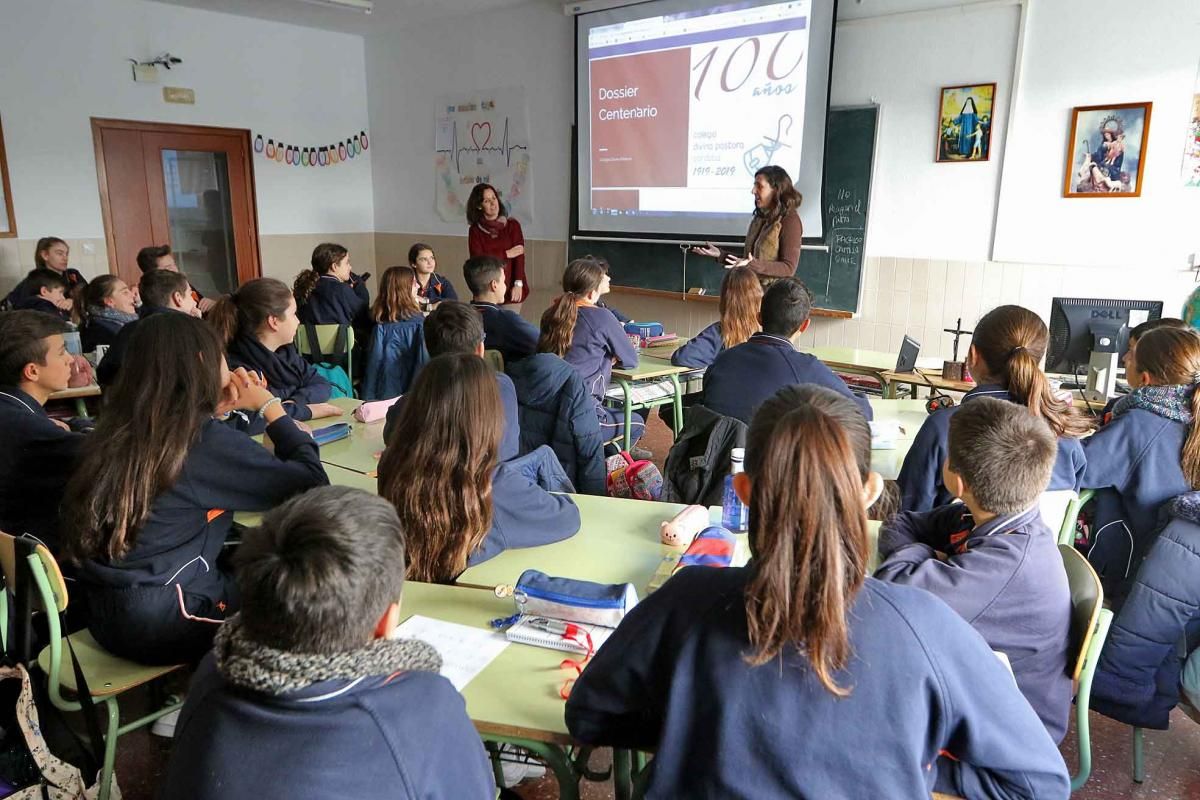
{"type": "Point", "coordinates": [246, 663]}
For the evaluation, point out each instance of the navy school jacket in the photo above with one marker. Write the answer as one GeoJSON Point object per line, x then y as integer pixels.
{"type": "Point", "coordinates": [333, 302]}
{"type": "Point", "coordinates": [36, 302]}
{"type": "Point", "coordinates": [381, 737]}
{"type": "Point", "coordinates": [701, 349]}
{"type": "Point", "coordinates": [438, 289]}
{"type": "Point", "coordinates": [741, 378]}
{"type": "Point", "coordinates": [395, 356]}
{"type": "Point", "coordinates": [510, 436]}
{"type": "Point", "coordinates": [37, 459]}
{"type": "Point", "coordinates": [1135, 460]}
{"type": "Point", "coordinates": [920, 479]}
{"type": "Point", "coordinates": [523, 513]}
{"type": "Point", "coordinates": [137, 602]}
{"type": "Point", "coordinates": [98, 332]}
{"type": "Point", "coordinates": [110, 365]}
{"type": "Point", "coordinates": [598, 339]}
{"type": "Point", "coordinates": [1010, 585]}
{"type": "Point", "coordinates": [289, 377]}
{"type": "Point", "coordinates": [507, 331]}
{"type": "Point", "coordinates": [24, 289]}
{"type": "Point", "coordinates": [1137, 678]}
{"type": "Point", "coordinates": [673, 679]}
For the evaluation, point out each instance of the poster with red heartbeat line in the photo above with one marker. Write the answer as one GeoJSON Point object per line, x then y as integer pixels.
{"type": "Point", "coordinates": [483, 137]}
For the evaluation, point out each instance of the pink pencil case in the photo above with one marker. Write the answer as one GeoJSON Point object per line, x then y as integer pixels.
{"type": "Point", "coordinates": [374, 410]}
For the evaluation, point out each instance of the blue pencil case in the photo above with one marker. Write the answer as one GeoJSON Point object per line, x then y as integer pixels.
{"type": "Point", "coordinates": [538, 594]}
{"type": "Point", "coordinates": [331, 433]}
{"type": "Point", "coordinates": [644, 330]}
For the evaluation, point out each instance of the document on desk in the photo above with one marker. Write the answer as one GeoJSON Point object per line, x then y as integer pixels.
{"type": "Point", "coordinates": [465, 651]}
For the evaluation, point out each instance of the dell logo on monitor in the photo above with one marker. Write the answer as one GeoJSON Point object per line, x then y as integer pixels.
{"type": "Point", "coordinates": [1107, 313]}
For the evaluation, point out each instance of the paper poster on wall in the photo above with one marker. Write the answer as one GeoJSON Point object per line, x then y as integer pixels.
{"type": "Point", "coordinates": [1191, 148]}
{"type": "Point", "coordinates": [483, 137]}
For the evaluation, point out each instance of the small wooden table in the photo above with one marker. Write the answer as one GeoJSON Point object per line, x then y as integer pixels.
{"type": "Point", "coordinates": [929, 378]}
{"type": "Point", "coordinates": [78, 394]}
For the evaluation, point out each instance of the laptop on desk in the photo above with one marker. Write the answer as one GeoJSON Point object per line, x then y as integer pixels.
{"type": "Point", "coordinates": [910, 348]}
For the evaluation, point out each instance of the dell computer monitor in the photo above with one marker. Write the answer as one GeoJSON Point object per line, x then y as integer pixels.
{"type": "Point", "coordinates": [1094, 334]}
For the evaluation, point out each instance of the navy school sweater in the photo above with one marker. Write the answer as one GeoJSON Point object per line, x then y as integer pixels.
{"type": "Point", "coordinates": [438, 289]}
{"type": "Point", "coordinates": [742, 377]}
{"type": "Point", "coordinates": [1009, 583]}
{"type": "Point", "coordinates": [673, 679]}
{"type": "Point", "coordinates": [1135, 461]}
{"type": "Point", "coordinates": [507, 331]}
{"type": "Point", "coordinates": [510, 435]}
{"type": "Point", "coordinates": [333, 302]}
{"type": "Point", "coordinates": [134, 600]}
{"type": "Point", "coordinates": [25, 289]}
{"type": "Point", "coordinates": [701, 350]}
{"type": "Point", "coordinates": [598, 339]}
{"type": "Point", "coordinates": [36, 302]}
{"type": "Point", "coordinates": [110, 365]}
{"type": "Point", "coordinates": [37, 459]}
{"type": "Point", "coordinates": [398, 737]}
{"type": "Point", "coordinates": [920, 479]}
{"type": "Point", "coordinates": [98, 331]}
{"type": "Point", "coordinates": [289, 377]}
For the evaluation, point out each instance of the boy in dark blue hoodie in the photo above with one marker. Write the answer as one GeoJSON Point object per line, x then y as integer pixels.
{"type": "Point", "coordinates": [991, 557]}
{"type": "Point", "coordinates": [47, 292]}
{"type": "Point", "coordinates": [506, 331]}
{"type": "Point", "coordinates": [304, 694]}
{"type": "Point", "coordinates": [742, 377]}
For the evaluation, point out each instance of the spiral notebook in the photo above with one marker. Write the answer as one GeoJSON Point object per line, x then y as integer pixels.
{"type": "Point", "coordinates": [527, 630]}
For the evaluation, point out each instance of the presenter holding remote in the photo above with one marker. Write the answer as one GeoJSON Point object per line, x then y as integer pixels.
{"type": "Point", "coordinates": [494, 233]}
{"type": "Point", "coordinates": [773, 240]}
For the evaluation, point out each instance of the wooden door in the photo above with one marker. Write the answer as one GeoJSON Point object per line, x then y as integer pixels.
{"type": "Point", "coordinates": [186, 185]}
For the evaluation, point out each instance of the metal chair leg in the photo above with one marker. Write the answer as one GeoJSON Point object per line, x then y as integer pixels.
{"type": "Point", "coordinates": [1139, 756]}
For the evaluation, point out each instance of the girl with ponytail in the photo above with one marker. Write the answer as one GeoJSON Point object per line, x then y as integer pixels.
{"type": "Point", "coordinates": [1147, 454]}
{"type": "Point", "coordinates": [1006, 352]}
{"type": "Point", "coordinates": [257, 325]}
{"type": "Point", "coordinates": [591, 340]}
{"type": "Point", "coordinates": [764, 677]}
{"type": "Point", "coordinates": [331, 294]}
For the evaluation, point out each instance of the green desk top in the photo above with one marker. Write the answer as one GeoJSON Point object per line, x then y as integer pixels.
{"type": "Point", "coordinates": [516, 694]}
{"type": "Point", "coordinates": [337, 477]}
{"type": "Point", "coordinates": [911, 415]}
{"type": "Point", "coordinates": [358, 451]}
{"type": "Point", "coordinates": [648, 367]}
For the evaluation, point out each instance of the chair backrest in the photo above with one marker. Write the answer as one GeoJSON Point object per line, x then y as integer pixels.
{"type": "Point", "coordinates": [8, 563]}
{"type": "Point", "coordinates": [1087, 600]}
{"type": "Point", "coordinates": [495, 359]}
{"type": "Point", "coordinates": [327, 342]}
{"type": "Point", "coordinates": [1054, 505]}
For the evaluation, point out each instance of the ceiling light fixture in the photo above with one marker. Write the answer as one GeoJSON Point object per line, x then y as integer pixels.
{"type": "Point", "coordinates": [364, 6]}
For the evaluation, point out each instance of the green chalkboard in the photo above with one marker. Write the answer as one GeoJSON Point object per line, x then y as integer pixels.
{"type": "Point", "coordinates": [834, 275]}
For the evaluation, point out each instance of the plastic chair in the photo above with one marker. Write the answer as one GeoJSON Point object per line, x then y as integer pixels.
{"type": "Point", "coordinates": [1055, 506]}
{"type": "Point", "coordinates": [1089, 628]}
{"type": "Point", "coordinates": [495, 359]}
{"type": "Point", "coordinates": [1139, 752]}
{"type": "Point", "coordinates": [107, 676]}
{"type": "Point", "coordinates": [1066, 533]}
{"type": "Point", "coordinates": [333, 345]}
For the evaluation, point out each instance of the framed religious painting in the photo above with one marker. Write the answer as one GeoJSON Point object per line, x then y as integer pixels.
{"type": "Point", "coordinates": [8, 221]}
{"type": "Point", "coordinates": [965, 123]}
{"type": "Point", "coordinates": [1106, 154]}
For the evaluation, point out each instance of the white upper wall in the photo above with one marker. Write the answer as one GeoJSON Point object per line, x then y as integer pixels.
{"type": "Point", "coordinates": [64, 61]}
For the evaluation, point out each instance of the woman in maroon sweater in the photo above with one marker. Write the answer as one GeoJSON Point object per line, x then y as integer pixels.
{"type": "Point", "coordinates": [494, 233]}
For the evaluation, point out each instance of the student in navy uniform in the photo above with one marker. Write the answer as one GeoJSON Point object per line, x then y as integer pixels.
{"type": "Point", "coordinates": [432, 288]}
{"type": "Point", "coordinates": [161, 291]}
{"type": "Point", "coordinates": [1134, 335]}
{"type": "Point", "coordinates": [397, 350]}
{"type": "Point", "coordinates": [741, 305]}
{"type": "Point", "coordinates": [506, 330]}
{"type": "Point", "coordinates": [257, 325]}
{"type": "Point", "coordinates": [108, 306]}
{"type": "Point", "coordinates": [1006, 350]}
{"type": "Point", "coordinates": [331, 294]}
{"type": "Point", "coordinates": [47, 292]}
{"type": "Point", "coordinates": [160, 257]}
{"type": "Point", "coordinates": [991, 558]}
{"type": "Point", "coordinates": [455, 327]}
{"type": "Point", "coordinates": [37, 453]}
{"type": "Point", "coordinates": [1147, 454]}
{"type": "Point", "coordinates": [590, 339]}
{"type": "Point", "coordinates": [148, 510]}
{"type": "Point", "coordinates": [458, 502]}
{"type": "Point", "coordinates": [53, 254]}
{"type": "Point", "coordinates": [309, 659]}
{"type": "Point", "coordinates": [770, 680]}
{"type": "Point", "coordinates": [744, 376]}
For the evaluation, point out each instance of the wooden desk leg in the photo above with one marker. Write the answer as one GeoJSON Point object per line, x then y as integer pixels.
{"type": "Point", "coordinates": [889, 389]}
{"type": "Point", "coordinates": [678, 407]}
{"type": "Point", "coordinates": [628, 408]}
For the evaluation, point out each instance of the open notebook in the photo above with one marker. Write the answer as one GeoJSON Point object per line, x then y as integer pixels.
{"type": "Point", "coordinates": [546, 632]}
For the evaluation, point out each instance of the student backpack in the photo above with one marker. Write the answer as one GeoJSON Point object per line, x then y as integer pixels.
{"type": "Point", "coordinates": [325, 366]}
{"type": "Point", "coordinates": [637, 480]}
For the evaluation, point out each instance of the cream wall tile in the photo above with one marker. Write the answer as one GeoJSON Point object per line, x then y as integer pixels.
{"type": "Point", "coordinates": [955, 277]}
{"type": "Point", "coordinates": [933, 309]}
{"type": "Point", "coordinates": [973, 274]}
{"type": "Point", "coordinates": [871, 274]}
{"type": "Point", "coordinates": [882, 339]}
{"type": "Point", "coordinates": [919, 282]}
{"type": "Point", "coordinates": [917, 305]}
{"type": "Point", "coordinates": [937, 276]}
{"type": "Point", "coordinates": [896, 307]}
{"type": "Point", "coordinates": [904, 268]}
{"type": "Point", "coordinates": [887, 275]}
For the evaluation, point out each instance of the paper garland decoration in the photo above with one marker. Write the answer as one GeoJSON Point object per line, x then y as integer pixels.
{"type": "Point", "coordinates": [316, 156]}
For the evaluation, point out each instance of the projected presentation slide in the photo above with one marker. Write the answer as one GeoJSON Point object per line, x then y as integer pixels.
{"type": "Point", "coordinates": [684, 108]}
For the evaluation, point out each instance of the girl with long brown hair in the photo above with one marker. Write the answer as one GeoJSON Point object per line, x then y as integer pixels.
{"type": "Point", "coordinates": [152, 500]}
{"type": "Point", "coordinates": [770, 680]}
{"type": "Point", "coordinates": [397, 348]}
{"type": "Point", "coordinates": [257, 324]}
{"type": "Point", "coordinates": [741, 299]}
{"type": "Point", "coordinates": [458, 503]}
{"type": "Point", "coordinates": [1147, 454]}
{"type": "Point", "coordinates": [591, 340]}
{"type": "Point", "coordinates": [432, 286]}
{"type": "Point", "coordinates": [1006, 352]}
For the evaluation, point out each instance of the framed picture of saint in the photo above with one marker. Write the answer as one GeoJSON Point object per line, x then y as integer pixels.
{"type": "Point", "coordinates": [965, 123]}
{"type": "Point", "coordinates": [1106, 154]}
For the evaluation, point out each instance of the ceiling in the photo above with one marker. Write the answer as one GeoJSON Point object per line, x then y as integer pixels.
{"type": "Point", "coordinates": [390, 14]}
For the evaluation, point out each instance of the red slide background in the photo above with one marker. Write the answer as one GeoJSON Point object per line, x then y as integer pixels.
{"type": "Point", "coordinates": [656, 147]}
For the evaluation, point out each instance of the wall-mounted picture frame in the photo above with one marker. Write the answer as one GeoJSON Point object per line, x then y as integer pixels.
{"type": "Point", "coordinates": [965, 123]}
{"type": "Point", "coordinates": [1106, 154]}
{"type": "Point", "coordinates": [8, 220]}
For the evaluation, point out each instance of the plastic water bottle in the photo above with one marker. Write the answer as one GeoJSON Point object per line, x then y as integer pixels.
{"type": "Point", "coordinates": [735, 516]}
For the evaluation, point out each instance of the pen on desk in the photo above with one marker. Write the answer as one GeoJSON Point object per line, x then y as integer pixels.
{"type": "Point", "coordinates": [548, 625]}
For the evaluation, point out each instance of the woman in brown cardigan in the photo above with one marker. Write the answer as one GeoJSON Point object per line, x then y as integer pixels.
{"type": "Point", "coordinates": [773, 240]}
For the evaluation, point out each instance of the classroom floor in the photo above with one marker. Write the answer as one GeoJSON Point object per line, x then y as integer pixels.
{"type": "Point", "coordinates": [1172, 757]}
